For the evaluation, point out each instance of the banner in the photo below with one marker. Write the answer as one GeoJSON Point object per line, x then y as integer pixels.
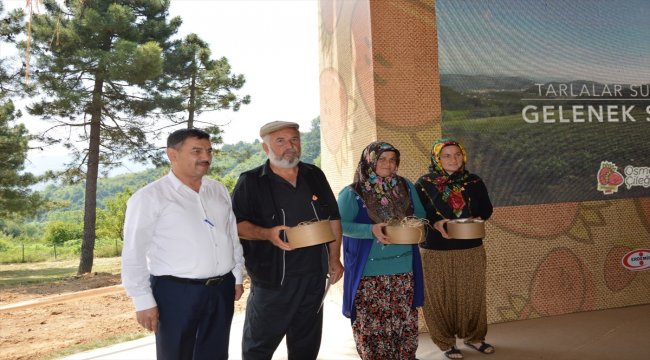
{"type": "Point", "coordinates": [550, 98]}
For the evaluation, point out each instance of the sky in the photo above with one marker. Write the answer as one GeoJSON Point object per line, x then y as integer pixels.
{"type": "Point", "coordinates": [273, 43]}
{"type": "Point", "coordinates": [598, 40]}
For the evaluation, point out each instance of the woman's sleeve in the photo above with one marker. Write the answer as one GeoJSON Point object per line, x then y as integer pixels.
{"type": "Point", "coordinates": [348, 208]}
{"type": "Point", "coordinates": [418, 209]}
{"type": "Point", "coordinates": [427, 203]}
{"type": "Point", "coordinates": [484, 204]}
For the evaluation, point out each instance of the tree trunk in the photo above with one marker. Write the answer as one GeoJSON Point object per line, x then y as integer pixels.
{"type": "Point", "coordinates": [192, 102]}
{"type": "Point", "coordinates": [90, 206]}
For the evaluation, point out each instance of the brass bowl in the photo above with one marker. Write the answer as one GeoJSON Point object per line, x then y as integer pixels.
{"type": "Point", "coordinates": [466, 229]}
{"type": "Point", "coordinates": [398, 234]}
{"type": "Point", "coordinates": [310, 234]}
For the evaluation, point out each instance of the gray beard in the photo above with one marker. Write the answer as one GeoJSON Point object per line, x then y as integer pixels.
{"type": "Point", "coordinates": [281, 162]}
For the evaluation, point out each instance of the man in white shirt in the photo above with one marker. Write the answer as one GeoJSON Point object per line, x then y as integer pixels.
{"type": "Point", "coordinates": [182, 263]}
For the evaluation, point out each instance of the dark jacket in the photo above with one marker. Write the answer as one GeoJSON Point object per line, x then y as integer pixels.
{"type": "Point", "coordinates": [477, 204]}
{"type": "Point", "coordinates": [253, 201]}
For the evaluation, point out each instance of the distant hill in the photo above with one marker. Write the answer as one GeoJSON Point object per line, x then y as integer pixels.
{"type": "Point", "coordinates": [483, 96]}
{"type": "Point", "coordinates": [230, 161]}
{"type": "Point", "coordinates": [106, 188]}
{"type": "Point", "coordinates": [465, 83]}
{"type": "Point", "coordinates": [453, 84]}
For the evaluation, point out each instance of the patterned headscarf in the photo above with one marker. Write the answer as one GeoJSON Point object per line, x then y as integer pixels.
{"type": "Point", "coordinates": [450, 186]}
{"type": "Point", "coordinates": [386, 198]}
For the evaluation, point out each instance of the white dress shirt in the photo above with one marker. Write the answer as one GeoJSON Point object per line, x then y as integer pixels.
{"type": "Point", "coordinates": [171, 229]}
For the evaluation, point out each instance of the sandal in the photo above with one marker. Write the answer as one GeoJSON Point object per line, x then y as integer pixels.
{"type": "Point", "coordinates": [453, 351]}
{"type": "Point", "coordinates": [485, 348]}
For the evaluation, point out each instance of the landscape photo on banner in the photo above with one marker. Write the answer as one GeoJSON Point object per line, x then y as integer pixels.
{"type": "Point", "coordinates": [550, 99]}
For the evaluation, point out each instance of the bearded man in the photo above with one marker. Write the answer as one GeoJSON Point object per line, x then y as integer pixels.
{"type": "Point", "coordinates": [287, 285]}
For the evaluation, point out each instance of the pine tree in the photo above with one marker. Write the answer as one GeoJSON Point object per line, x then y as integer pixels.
{"type": "Point", "coordinates": [193, 84]}
{"type": "Point", "coordinates": [16, 198]}
{"type": "Point", "coordinates": [92, 62]}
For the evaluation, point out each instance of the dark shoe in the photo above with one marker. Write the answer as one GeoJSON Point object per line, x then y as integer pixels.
{"type": "Point", "coordinates": [485, 348]}
{"type": "Point", "coordinates": [453, 353]}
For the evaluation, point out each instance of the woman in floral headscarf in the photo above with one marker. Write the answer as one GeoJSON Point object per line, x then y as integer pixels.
{"type": "Point", "coordinates": [382, 284]}
{"type": "Point", "coordinates": [455, 269]}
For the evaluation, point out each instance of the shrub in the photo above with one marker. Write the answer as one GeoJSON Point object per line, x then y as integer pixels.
{"type": "Point", "coordinates": [4, 244]}
{"type": "Point", "coordinates": [58, 232]}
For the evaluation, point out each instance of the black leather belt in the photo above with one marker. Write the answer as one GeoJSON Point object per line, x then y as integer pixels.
{"type": "Point", "coordinates": [206, 282]}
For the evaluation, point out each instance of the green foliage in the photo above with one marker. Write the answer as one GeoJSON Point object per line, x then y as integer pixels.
{"type": "Point", "coordinates": [233, 159]}
{"type": "Point", "coordinates": [10, 24]}
{"type": "Point", "coordinates": [16, 199]}
{"type": "Point", "coordinates": [59, 232]}
{"type": "Point", "coordinates": [476, 83]}
{"type": "Point", "coordinates": [116, 48]}
{"type": "Point", "coordinates": [17, 252]}
{"type": "Point", "coordinates": [453, 100]}
{"type": "Point", "coordinates": [17, 231]}
{"type": "Point", "coordinates": [73, 195]}
{"type": "Point", "coordinates": [62, 225]}
{"type": "Point", "coordinates": [310, 142]}
{"type": "Point", "coordinates": [478, 104]}
{"type": "Point", "coordinates": [539, 168]}
{"type": "Point", "coordinates": [94, 60]}
{"type": "Point", "coordinates": [30, 232]}
{"type": "Point", "coordinates": [15, 196]}
{"type": "Point", "coordinates": [10, 228]}
{"type": "Point", "coordinates": [523, 163]}
{"type": "Point", "coordinates": [70, 216]}
{"type": "Point", "coordinates": [110, 221]}
{"type": "Point", "coordinates": [230, 161]}
{"type": "Point", "coordinates": [5, 243]}
{"type": "Point", "coordinates": [228, 180]}
{"type": "Point", "coordinates": [255, 160]}
{"type": "Point", "coordinates": [112, 195]}
{"type": "Point", "coordinates": [95, 72]}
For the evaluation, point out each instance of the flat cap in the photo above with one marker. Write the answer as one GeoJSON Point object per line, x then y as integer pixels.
{"type": "Point", "coordinates": [274, 126]}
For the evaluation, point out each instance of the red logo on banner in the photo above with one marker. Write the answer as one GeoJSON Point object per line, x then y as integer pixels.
{"type": "Point", "coordinates": [637, 260]}
{"type": "Point", "coordinates": [609, 179]}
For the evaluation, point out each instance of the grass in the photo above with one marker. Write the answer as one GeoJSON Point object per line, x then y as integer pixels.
{"type": "Point", "coordinates": [38, 252]}
{"type": "Point", "coordinates": [49, 271]}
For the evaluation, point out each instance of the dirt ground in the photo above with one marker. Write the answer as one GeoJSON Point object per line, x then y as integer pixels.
{"type": "Point", "coordinates": [36, 332]}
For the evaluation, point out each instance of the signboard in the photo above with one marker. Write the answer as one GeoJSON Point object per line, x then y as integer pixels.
{"type": "Point", "coordinates": [550, 98]}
